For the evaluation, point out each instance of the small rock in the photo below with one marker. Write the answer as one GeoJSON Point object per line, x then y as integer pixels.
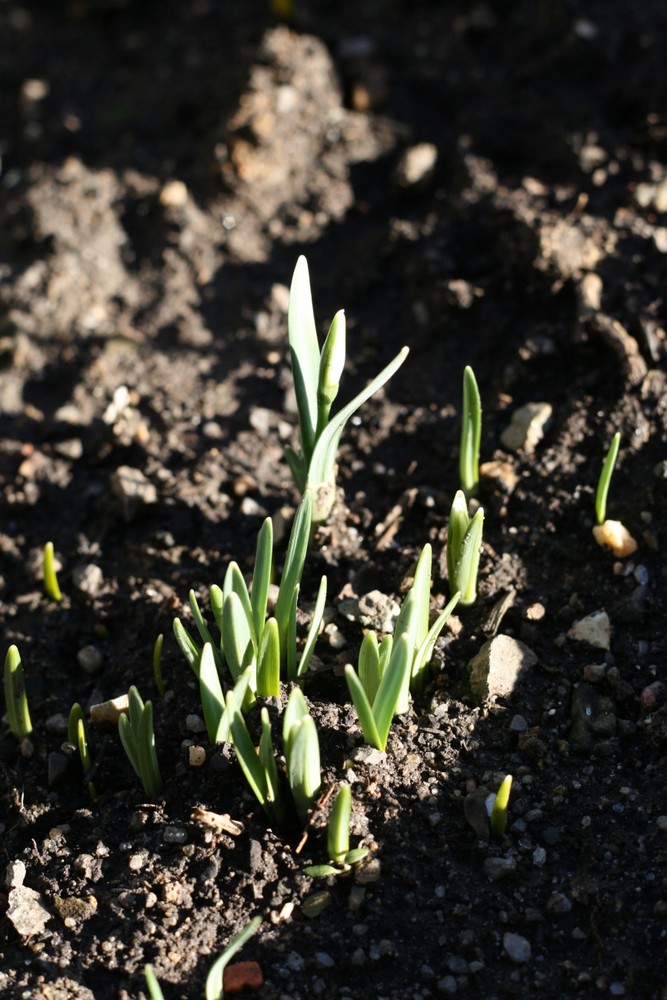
{"type": "Point", "coordinates": [414, 171]}
{"type": "Point", "coordinates": [133, 489]}
{"type": "Point", "coordinates": [195, 724]}
{"type": "Point", "coordinates": [56, 724]}
{"type": "Point", "coordinates": [613, 535]}
{"type": "Point", "coordinates": [90, 659]}
{"type": "Point", "coordinates": [495, 670]}
{"type": "Point", "coordinates": [367, 755]}
{"type": "Point", "coordinates": [593, 716]}
{"type": "Point", "coordinates": [24, 906]}
{"type": "Point", "coordinates": [196, 756]}
{"type": "Point", "coordinates": [497, 868]}
{"type": "Point", "coordinates": [174, 835]}
{"type": "Point", "coordinates": [517, 947]}
{"type": "Point", "coordinates": [594, 672]}
{"type": "Point", "coordinates": [558, 904]}
{"type": "Point", "coordinates": [88, 579]}
{"type": "Point", "coordinates": [374, 610]}
{"type": "Point", "coordinates": [527, 427]}
{"type": "Point", "coordinates": [367, 871]}
{"type": "Point", "coordinates": [174, 194]}
{"type": "Point", "coordinates": [661, 824]}
{"type": "Point", "coordinates": [594, 629]}
{"type": "Point", "coordinates": [447, 985]}
{"type": "Point", "coordinates": [518, 724]}
{"type": "Point", "coordinates": [108, 712]}
{"type": "Point", "coordinates": [315, 903]}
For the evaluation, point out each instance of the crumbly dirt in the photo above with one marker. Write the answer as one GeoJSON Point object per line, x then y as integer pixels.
{"type": "Point", "coordinates": [162, 168]}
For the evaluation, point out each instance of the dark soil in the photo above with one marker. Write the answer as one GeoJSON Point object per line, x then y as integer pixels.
{"type": "Point", "coordinates": [143, 325]}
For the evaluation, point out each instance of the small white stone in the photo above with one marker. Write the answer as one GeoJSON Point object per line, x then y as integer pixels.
{"type": "Point", "coordinates": [594, 629]}
{"type": "Point", "coordinates": [527, 427]}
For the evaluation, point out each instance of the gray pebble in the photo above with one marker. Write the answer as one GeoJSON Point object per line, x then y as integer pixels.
{"type": "Point", "coordinates": [517, 947]}
{"type": "Point", "coordinates": [447, 985]}
{"type": "Point", "coordinates": [558, 903]}
{"type": "Point", "coordinates": [497, 868]}
{"type": "Point", "coordinates": [90, 659]}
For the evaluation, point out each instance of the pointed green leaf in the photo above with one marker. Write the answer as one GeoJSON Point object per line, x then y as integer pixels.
{"type": "Point", "coordinates": [363, 708]}
{"type": "Point", "coordinates": [498, 821]}
{"type": "Point", "coordinates": [321, 467]}
{"type": "Point", "coordinates": [605, 479]}
{"type": "Point", "coordinates": [297, 549]}
{"type": "Point", "coordinates": [313, 630]}
{"type": "Point", "coordinates": [425, 651]}
{"type": "Point", "coordinates": [246, 754]}
{"type": "Point", "coordinates": [471, 432]}
{"type": "Point", "coordinates": [303, 765]}
{"type": "Point", "coordinates": [268, 662]}
{"type": "Point", "coordinates": [305, 353]}
{"type": "Point", "coordinates": [338, 828]}
{"type": "Point", "coordinates": [369, 665]}
{"type": "Point", "coordinates": [51, 585]}
{"type": "Point", "coordinates": [332, 362]}
{"type": "Point", "coordinates": [187, 645]}
{"type": "Point", "coordinates": [465, 575]}
{"type": "Point", "coordinates": [236, 633]}
{"type": "Point", "coordinates": [217, 599]}
{"type": "Point", "coordinates": [456, 532]}
{"type": "Point", "coordinates": [214, 980]}
{"type": "Point", "coordinates": [268, 761]}
{"type": "Point", "coordinates": [212, 698]}
{"type": "Point", "coordinates": [202, 627]}
{"type": "Point", "coordinates": [395, 680]}
{"type": "Point", "coordinates": [234, 583]}
{"type": "Point", "coordinates": [261, 577]}
{"type": "Point", "coordinates": [295, 712]}
{"type": "Point", "coordinates": [355, 856]}
{"type": "Point", "coordinates": [16, 700]}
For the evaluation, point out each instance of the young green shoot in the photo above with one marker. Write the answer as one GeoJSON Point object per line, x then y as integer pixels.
{"type": "Point", "coordinates": [247, 637]}
{"type": "Point", "coordinates": [471, 432]}
{"type": "Point", "coordinates": [157, 665]}
{"type": "Point", "coordinates": [51, 585]}
{"type": "Point", "coordinates": [138, 738]}
{"type": "Point", "coordinates": [317, 377]}
{"type": "Point", "coordinates": [464, 542]}
{"type": "Point", "coordinates": [338, 839]}
{"type": "Point", "coordinates": [390, 670]}
{"type": "Point", "coordinates": [215, 978]}
{"type": "Point", "coordinates": [605, 478]}
{"type": "Point", "coordinates": [16, 700]}
{"type": "Point", "coordinates": [214, 989]}
{"type": "Point", "coordinates": [302, 758]}
{"type": "Point", "coordinates": [498, 820]}
{"type": "Point", "coordinates": [77, 736]}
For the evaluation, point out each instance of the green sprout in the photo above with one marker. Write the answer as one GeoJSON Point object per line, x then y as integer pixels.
{"type": "Point", "coordinates": [317, 377]}
{"type": "Point", "coordinates": [16, 700]}
{"type": "Point", "coordinates": [247, 638]}
{"type": "Point", "coordinates": [375, 718]}
{"type": "Point", "coordinates": [302, 758]}
{"type": "Point", "coordinates": [215, 978]}
{"type": "Point", "coordinates": [138, 738]}
{"type": "Point", "coordinates": [157, 665]}
{"type": "Point", "coordinates": [51, 585]}
{"type": "Point", "coordinates": [338, 839]}
{"type": "Point", "coordinates": [77, 735]}
{"type": "Point", "coordinates": [390, 670]}
{"type": "Point", "coordinates": [605, 478]}
{"type": "Point", "coordinates": [498, 820]}
{"type": "Point", "coordinates": [464, 541]}
{"type": "Point", "coordinates": [471, 431]}
{"type": "Point", "coordinates": [217, 712]}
